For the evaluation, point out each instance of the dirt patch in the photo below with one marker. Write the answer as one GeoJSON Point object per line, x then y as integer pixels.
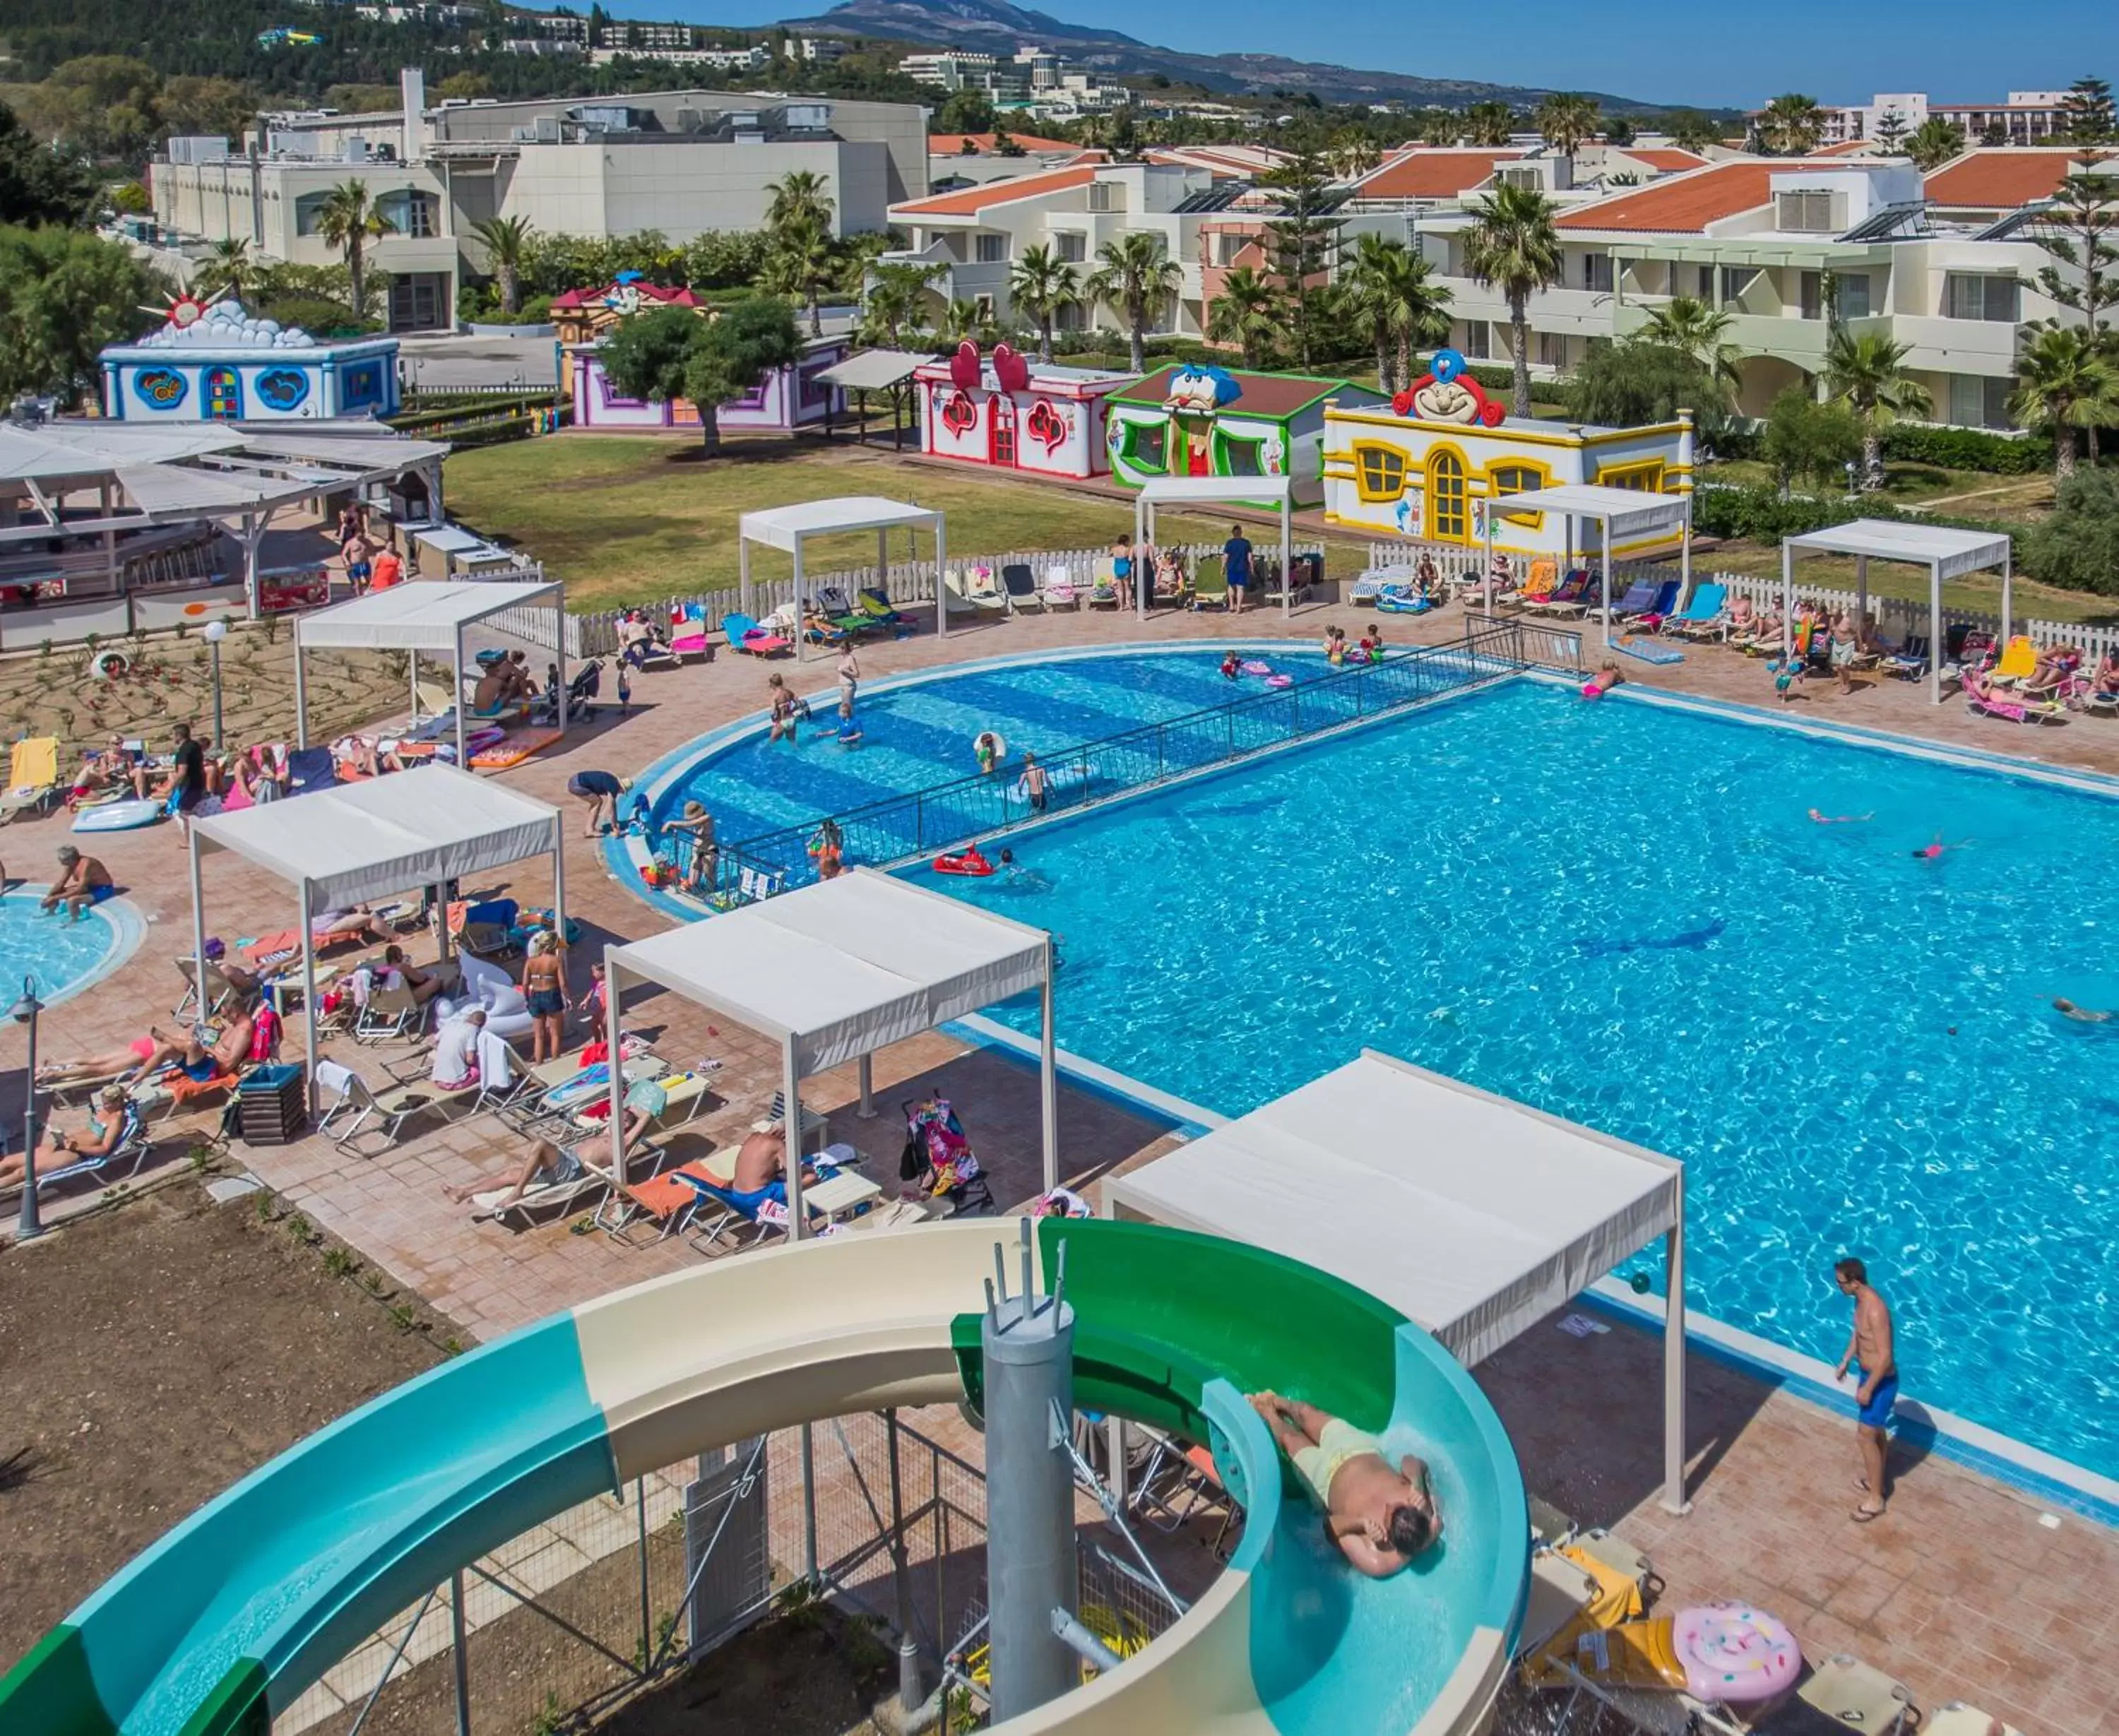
{"type": "Point", "coordinates": [155, 1354]}
{"type": "Point", "coordinates": [813, 1673]}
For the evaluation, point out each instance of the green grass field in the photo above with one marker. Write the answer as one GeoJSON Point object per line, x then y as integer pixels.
{"type": "Point", "coordinates": [626, 520]}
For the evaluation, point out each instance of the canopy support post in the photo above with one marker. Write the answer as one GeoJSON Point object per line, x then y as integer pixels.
{"type": "Point", "coordinates": [1934, 633]}
{"type": "Point", "coordinates": [301, 691]}
{"type": "Point", "coordinates": [1673, 1365]}
{"type": "Point", "coordinates": [198, 917]}
{"type": "Point", "coordinates": [1787, 605]}
{"type": "Point", "coordinates": [463, 752]}
{"type": "Point", "coordinates": [559, 887]}
{"type": "Point", "coordinates": [1862, 595]}
{"type": "Point", "coordinates": [742, 576]}
{"type": "Point", "coordinates": [559, 650]}
{"type": "Point", "coordinates": [1140, 533]}
{"type": "Point", "coordinates": [1489, 578]}
{"type": "Point", "coordinates": [309, 998]}
{"type": "Point", "coordinates": [941, 589]}
{"type": "Point", "coordinates": [1605, 525]}
{"type": "Point", "coordinates": [1287, 553]}
{"type": "Point", "coordinates": [866, 1071]}
{"type": "Point", "coordinates": [1048, 1077]}
{"type": "Point", "coordinates": [611, 995]}
{"type": "Point", "coordinates": [1684, 551]}
{"type": "Point", "coordinates": [2008, 588]}
{"type": "Point", "coordinates": [412, 675]}
{"type": "Point", "coordinates": [801, 605]}
{"type": "Point", "coordinates": [791, 1080]}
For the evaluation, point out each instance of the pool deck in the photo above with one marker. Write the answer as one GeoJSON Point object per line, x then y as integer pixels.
{"type": "Point", "coordinates": [1969, 1589]}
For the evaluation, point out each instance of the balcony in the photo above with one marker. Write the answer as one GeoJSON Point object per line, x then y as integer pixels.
{"type": "Point", "coordinates": [1958, 345]}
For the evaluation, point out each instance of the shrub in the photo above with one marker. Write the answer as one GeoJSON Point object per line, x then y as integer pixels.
{"type": "Point", "coordinates": [1760, 514]}
{"type": "Point", "coordinates": [2078, 547]}
{"type": "Point", "coordinates": [1964, 449]}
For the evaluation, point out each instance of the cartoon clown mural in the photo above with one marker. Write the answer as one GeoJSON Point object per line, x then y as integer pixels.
{"type": "Point", "coordinates": [1195, 420]}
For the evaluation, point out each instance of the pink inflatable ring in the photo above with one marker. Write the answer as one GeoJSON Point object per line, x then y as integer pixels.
{"type": "Point", "coordinates": [1733, 1653]}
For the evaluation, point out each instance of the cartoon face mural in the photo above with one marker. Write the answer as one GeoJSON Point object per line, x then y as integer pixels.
{"type": "Point", "coordinates": [159, 388]}
{"type": "Point", "coordinates": [1448, 393]}
{"type": "Point", "coordinates": [1200, 391]}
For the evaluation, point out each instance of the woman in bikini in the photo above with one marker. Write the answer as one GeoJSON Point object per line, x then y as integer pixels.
{"type": "Point", "coordinates": [545, 993]}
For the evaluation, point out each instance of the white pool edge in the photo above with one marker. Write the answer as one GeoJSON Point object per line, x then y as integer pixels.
{"type": "Point", "coordinates": [128, 930]}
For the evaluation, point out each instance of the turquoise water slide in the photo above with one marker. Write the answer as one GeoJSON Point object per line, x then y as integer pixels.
{"type": "Point", "coordinates": [238, 1610]}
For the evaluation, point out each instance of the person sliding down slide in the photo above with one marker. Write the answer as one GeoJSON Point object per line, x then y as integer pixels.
{"type": "Point", "coordinates": [1380, 1518]}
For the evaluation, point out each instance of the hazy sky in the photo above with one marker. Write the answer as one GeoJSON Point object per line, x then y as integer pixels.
{"type": "Point", "coordinates": [1732, 56]}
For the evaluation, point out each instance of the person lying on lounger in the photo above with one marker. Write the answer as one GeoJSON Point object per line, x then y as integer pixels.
{"type": "Point", "coordinates": [358, 924]}
{"type": "Point", "coordinates": [546, 1165]}
{"type": "Point", "coordinates": [113, 1121]}
{"type": "Point", "coordinates": [422, 985]}
{"type": "Point", "coordinates": [1380, 1517]}
{"type": "Point", "coordinates": [196, 1058]}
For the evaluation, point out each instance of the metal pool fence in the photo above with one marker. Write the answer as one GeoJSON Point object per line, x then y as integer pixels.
{"type": "Point", "coordinates": [904, 828]}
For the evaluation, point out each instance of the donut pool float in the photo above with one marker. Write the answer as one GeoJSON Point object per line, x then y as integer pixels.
{"type": "Point", "coordinates": [1255, 668]}
{"type": "Point", "coordinates": [999, 744]}
{"type": "Point", "coordinates": [1280, 680]}
{"type": "Point", "coordinates": [1733, 1653]}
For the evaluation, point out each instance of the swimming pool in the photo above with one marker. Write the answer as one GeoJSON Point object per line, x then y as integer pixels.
{"type": "Point", "coordinates": [1620, 914]}
{"type": "Point", "coordinates": [64, 957]}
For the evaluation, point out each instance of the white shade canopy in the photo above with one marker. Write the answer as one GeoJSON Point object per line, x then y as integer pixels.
{"type": "Point", "coordinates": [873, 370]}
{"type": "Point", "coordinates": [1471, 1215]}
{"type": "Point", "coordinates": [357, 841]}
{"type": "Point", "coordinates": [845, 966]}
{"type": "Point", "coordinates": [1951, 553]}
{"type": "Point", "coordinates": [424, 616]}
{"type": "Point", "coordinates": [1174, 491]}
{"type": "Point", "coordinates": [782, 527]}
{"type": "Point", "coordinates": [1626, 511]}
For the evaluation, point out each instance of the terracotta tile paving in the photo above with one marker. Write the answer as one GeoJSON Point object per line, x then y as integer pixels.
{"type": "Point", "coordinates": [1960, 1589]}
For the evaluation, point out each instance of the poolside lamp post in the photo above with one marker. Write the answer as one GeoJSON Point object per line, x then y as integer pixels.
{"type": "Point", "coordinates": [25, 1011]}
{"type": "Point", "coordinates": [214, 632]}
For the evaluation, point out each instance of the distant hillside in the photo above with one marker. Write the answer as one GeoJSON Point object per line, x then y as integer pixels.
{"type": "Point", "coordinates": [994, 27]}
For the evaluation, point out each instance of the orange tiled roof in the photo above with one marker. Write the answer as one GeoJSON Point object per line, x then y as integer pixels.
{"type": "Point", "coordinates": [1999, 180]}
{"type": "Point", "coordinates": [1665, 162]}
{"type": "Point", "coordinates": [973, 199]}
{"type": "Point", "coordinates": [1844, 148]}
{"type": "Point", "coordinates": [1431, 175]}
{"type": "Point", "coordinates": [951, 144]}
{"type": "Point", "coordinates": [1684, 205]}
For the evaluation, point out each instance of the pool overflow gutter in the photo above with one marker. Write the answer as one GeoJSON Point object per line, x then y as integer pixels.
{"type": "Point", "coordinates": [1032, 1571]}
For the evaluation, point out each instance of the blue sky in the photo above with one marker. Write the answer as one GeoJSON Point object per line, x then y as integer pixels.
{"type": "Point", "coordinates": [1835, 50]}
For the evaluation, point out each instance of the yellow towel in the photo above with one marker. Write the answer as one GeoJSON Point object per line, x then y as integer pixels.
{"type": "Point", "coordinates": [35, 764]}
{"type": "Point", "coordinates": [2018, 662]}
{"type": "Point", "coordinates": [1614, 1610]}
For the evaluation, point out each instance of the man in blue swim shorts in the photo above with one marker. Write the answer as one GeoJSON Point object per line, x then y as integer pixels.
{"type": "Point", "coordinates": [1872, 1353]}
{"type": "Point", "coordinates": [82, 881]}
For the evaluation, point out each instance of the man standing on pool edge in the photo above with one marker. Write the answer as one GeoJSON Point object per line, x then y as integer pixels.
{"type": "Point", "coordinates": [1871, 1349]}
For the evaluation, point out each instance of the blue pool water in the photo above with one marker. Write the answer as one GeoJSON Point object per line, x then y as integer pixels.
{"type": "Point", "coordinates": [1620, 913]}
{"type": "Point", "coordinates": [64, 957]}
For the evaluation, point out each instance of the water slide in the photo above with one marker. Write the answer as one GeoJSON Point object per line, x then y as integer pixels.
{"type": "Point", "coordinates": [235, 1613]}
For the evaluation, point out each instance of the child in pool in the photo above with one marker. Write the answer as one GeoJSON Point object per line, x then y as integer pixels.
{"type": "Point", "coordinates": [987, 747]}
{"type": "Point", "coordinates": [850, 729]}
{"type": "Point", "coordinates": [1232, 666]}
{"type": "Point", "coordinates": [1335, 646]}
{"type": "Point", "coordinates": [1372, 640]}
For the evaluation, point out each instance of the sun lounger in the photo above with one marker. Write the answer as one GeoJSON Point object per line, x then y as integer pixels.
{"type": "Point", "coordinates": [974, 593]}
{"type": "Point", "coordinates": [1210, 584]}
{"type": "Point", "coordinates": [595, 1178]}
{"type": "Point", "coordinates": [746, 636]}
{"type": "Point", "coordinates": [1857, 1696]}
{"type": "Point", "coordinates": [665, 1202]}
{"type": "Point", "coordinates": [1982, 697]}
{"type": "Point", "coordinates": [2019, 661]}
{"type": "Point", "coordinates": [1908, 661]}
{"type": "Point", "coordinates": [389, 1015]}
{"type": "Point", "coordinates": [33, 777]}
{"type": "Point", "coordinates": [1061, 592]}
{"type": "Point", "coordinates": [1573, 595]}
{"type": "Point", "coordinates": [684, 1095]}
{"type": "Point", "coordinates": [1019, 584]}
{"type": "Point", "coordinates": [711, 1178]}
{"type": "Point", "coordinates": [1957, 1718]}
{"type": "Point", "coordinates": [879, 609]}
{"type": "Point", "coordinates": [1703, 616]}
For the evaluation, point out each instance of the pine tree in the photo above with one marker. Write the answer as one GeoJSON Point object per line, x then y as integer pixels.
{"type": "Point", "coordinates": [1303, 240]}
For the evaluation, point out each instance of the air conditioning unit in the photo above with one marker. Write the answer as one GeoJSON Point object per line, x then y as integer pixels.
{"type": "Point", "coordinates": [354, 150]}
{"type": "Point", "coordinates": [688, 119]}
{"type": "Point", "coordinates": [809, 117]}
{"type": "Point", "coordinates": [546, 130]}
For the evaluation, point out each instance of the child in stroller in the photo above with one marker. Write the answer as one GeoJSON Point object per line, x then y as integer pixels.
{"type": "Point", "coordinates": [938, 1157]}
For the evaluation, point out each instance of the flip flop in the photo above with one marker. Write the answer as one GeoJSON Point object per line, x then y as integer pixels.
{"type": "Point", "coordinates": [1863, 1515]}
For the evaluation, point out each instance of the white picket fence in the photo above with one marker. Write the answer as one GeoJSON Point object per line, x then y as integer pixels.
{"type": "Point", "coordinates": [907, 583]}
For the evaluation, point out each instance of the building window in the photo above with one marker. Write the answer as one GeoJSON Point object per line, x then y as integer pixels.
{"type": "Point", "coordinates": [223, 394]}
{"type": "Point", "coordinates": [1242, 457]}
{"type": "Point", "coordinates": [1105, 196]}
{"type": "Point", "coordinates": [1552, 349]}
{"type": "Point", "coordinates": [307, 209]}
{"type": "Point", "coordinates": [1476, 344]}
{"type": "Point", "coordinates": [1804, 214]}
{"type": "Point", "coordinates": [993, 249]}
{"type": "Point", "coordinates": [1379, 472]}
{"type": "Point", "coordinates": [1516, 478]}
{"type": "Point", "coordinates": [1596, 272]}
{"type": "Point", "coordinates": [1979, 400]}
{"type": "Point", "coordinates": [1966, 296]}
{"type": "Point", "coordinates": [1147, 446]}
{"type": "Point", "coordinates": [408, 213]}
{"type": "Point", "coordinates": [1644, 478]}
{"type": "Point", "coordinates": [982, 309]}
{"type": "Point", "coordinates": [1703, 280]}
{"type": "Point", "coordinates": [1447, 519]}
{"type": "Point", "coordinates": [1811, 296]}
{"type": "Point", "coordinates": [1736, 280]}
{"type": "Point", "coordinates": [1851, 289]}
{"type": "Point", "coordinates": [1071, 247]}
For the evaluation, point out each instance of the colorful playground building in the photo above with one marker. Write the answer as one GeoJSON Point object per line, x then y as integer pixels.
{"type": "Point", "coordinates": [787, 399]}
{"type": "Point", "coordinates": [1189, 420]}
{"type": "Point", "coordinates": [1432, 464]}
{"type": "Point", "coordinates": [1005, 412]}
{"type": "Point", "coordinates": [212, 362]}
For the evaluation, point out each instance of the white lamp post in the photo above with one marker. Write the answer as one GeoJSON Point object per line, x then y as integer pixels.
{"type": "Point", "coordinates": [216, 631]}
{"type": "Point", "coordinates": [25, 1011]}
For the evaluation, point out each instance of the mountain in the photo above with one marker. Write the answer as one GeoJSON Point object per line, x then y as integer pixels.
{"type": "Point", "coordinates": [995, 27]}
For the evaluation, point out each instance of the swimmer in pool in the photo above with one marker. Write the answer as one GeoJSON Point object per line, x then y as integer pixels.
{"type": "Point", "coordinates": [2081, 1015]}
{"type": "Point", "coordinates": [1825, 819]}
{"type": "Point", "coordinates": [1932, 850]}
{"type": "Point", "coordinates": [1231, 666]}
{"type": "Point", "coordinates": [1029, 879]}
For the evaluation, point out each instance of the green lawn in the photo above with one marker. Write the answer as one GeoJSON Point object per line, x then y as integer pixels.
{"type": "Point", "coordinates": [1978, 494]}
{"type": "Point", "coordinates": [624, 520]}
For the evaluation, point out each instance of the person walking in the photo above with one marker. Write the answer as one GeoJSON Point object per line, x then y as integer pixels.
{"type": "Point", "coordinates": [1236, 564]}
{"type": "Point", "coordinates": [1872, 1352]}
{"type": "Point", "coordinates": [1033, 782]}
{"type": "Point", "coordinates": [849, 673]}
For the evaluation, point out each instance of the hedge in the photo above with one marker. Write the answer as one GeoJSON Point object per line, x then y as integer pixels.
{"type": "Point", "coordinates": [1965, 449]}
{"type": "Point", "coordinates": [1760, 514]}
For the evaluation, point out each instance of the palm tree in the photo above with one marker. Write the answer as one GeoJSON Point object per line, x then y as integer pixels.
{"type": "Point", "coordinates": [2064, 381]}
{"type": "Point", "coordinates": [1353, 154]}
{"type": "Point", "coordinates": [1488, 123]}
{"type": "Point", "coordinates": [1868, 371]}
{"type": "Point", "coordinates": [1699, 333]}
{"type": "Point", "coordinates": [1512, 246]}
{"type": "Point", "coordinates": [230, 269]}
{"type": "Point", "coordinates": [1790, 126]}
{"type": "Point", "coordinates": [1692, 130]}
{"type": "Point", "coordinates": [801, 264]}
{"type": "Point", "coordinates": [1933, 143]}
{"type": "Point", "coordinates": [1399, 302]}
{"type": "Point", "coordinates": [1043, 285]}
{"type": "Point", "coordinates": [507, 243]}
{"type": "Point", "coordinates": [963, 320]}
{"type": "Point", "coordinates": [798, 196]}
{"type": "Point", "coordinates": [893, 300]}
{"type": "Point", "coordinates": [1248, 313]}
{"type": "Point", "coordinates": [1136, 278]}
{"type": "Point", "coordinates": [1568, 120]}
{"type": "Point", "coordinates": [348, 220]}
{"type": "Point", "coordinates": [1440, 126]}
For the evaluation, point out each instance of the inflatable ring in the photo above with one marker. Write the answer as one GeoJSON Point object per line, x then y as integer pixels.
{"type": "Point", "coordinates": [1000, 741]}
{"type": "Point", "coordinates": [1280, 680]}
{"type": "Point", "coordinates": [1255, 668]}
{"type": "Point", "coordinates": [1733, 1653]}
{"type": "Point", "coordinates": [108, 666]}
{"type": "Point", "coordinates": [1447, 365]}
{"type": "Point", "coordinates": [968, 863]}
{"type": "Point", "coordinates": [1592, 690]}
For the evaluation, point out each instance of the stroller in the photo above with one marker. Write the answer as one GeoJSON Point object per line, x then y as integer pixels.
{"type": "Point", "coordinates": [938, 1157]}
{"type": "Point", "coordinates": [581, 689]}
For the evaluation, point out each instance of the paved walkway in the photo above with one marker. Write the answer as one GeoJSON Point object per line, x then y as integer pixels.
{"type": "Point", "coordinates": [1965, 1589]}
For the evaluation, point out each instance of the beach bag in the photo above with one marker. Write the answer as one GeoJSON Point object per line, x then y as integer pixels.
{"type": "Point", "coordinates": [912, 1161]}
